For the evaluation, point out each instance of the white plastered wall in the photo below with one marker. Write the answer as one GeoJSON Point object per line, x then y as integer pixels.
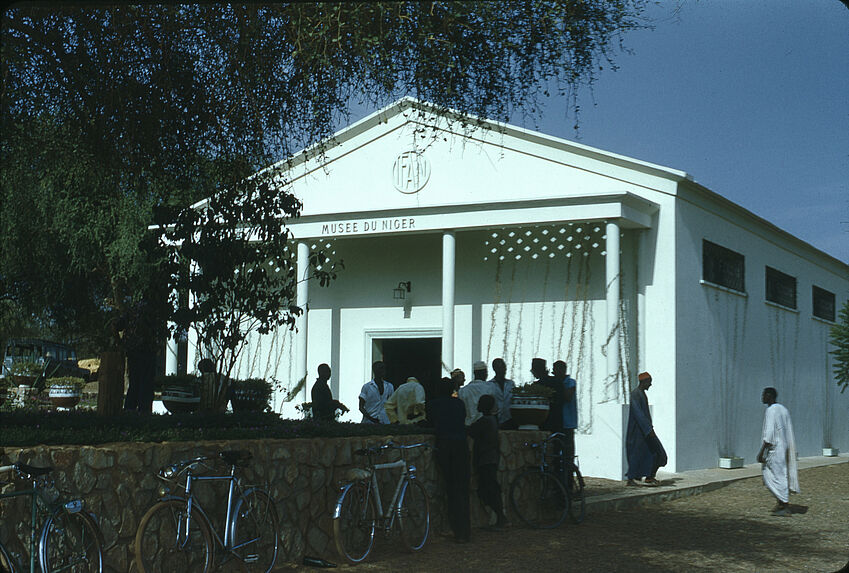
{"type": "Point", "coordinates": [732, 345]}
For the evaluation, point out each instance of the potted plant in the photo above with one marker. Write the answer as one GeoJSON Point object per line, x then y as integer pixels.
{"type": "Point", "coordinates": [25, 372]}
{"type": "Point", "coordinates": [180, 393]}
{"type": "Point", "coordinates": [4, 385]}
{"type": "Point", "coordinates": [251, 395]}
{"type": "Point", "coordinates": [65, 392]}
{"type": "Point", "coordinates": [530, 404]}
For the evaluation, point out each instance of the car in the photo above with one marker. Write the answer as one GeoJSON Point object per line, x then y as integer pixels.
{"type": "Point", "coordinates": [55, 359]}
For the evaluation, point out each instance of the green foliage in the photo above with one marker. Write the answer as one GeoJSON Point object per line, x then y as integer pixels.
{"type": "Point", "coordinates": [71, 381]}
{"type": "Point", "coordinates": [533, 389]}
{"type": "Point", "coordinates": [21, 428]}
{"type": "Point", "coordinates": [116, 117]}
{"type": "Point", "coordinates": [188, 381]}
{"type": "Point", "coordinates": [25, 368]}
{"type": "Point", "coordinates": [840, 341]}
{"type": "Point", "coordinates": [256, 386]}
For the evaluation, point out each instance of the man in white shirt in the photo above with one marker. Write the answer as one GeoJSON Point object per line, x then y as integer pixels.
{"type": "Point", "coordinates": [471, 392]}
{"type": "Point", "coordinates": [374, 394]}
{"type": "Point", "coordinates": [778, 452]}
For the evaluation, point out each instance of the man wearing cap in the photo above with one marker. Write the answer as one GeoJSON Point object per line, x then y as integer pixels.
{"type": "Point", "coordinates": [407, 404]}
{"type": "Point", "coordinates": [644, 450]}
{"type": "Point", "coordinates": [471, 393]}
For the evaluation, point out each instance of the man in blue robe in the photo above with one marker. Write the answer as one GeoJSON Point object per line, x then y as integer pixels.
{"type": "Point", "coordinates": [644, 450]}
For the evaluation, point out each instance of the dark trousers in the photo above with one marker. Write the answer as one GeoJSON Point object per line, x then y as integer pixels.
{"type": "Point", "coordinates": [568, 455]}
{"type": "Point", "coordinates": [453, 459]}
{"type": "Point", "coordinates": [489, 491]}
{"type": "Point", "coordinates": [141, 370]}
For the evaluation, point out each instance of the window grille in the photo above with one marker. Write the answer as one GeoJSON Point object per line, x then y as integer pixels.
{"type": "Point", "coordinates": [723, 266]}
{"type": "Point", "coordinates": [780, 288]}
{"type": "Point", "coordinates": [824, 303]}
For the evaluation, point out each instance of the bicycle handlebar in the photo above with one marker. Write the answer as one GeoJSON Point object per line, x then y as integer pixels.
{"type": "Point", "coordinates": [173, 470]}
{"type": "Point", "coordinates": [26, 471]}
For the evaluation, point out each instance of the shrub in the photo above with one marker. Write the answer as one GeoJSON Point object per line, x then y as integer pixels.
{"type": "Point", "coordinates": [257, 386]}
{"type": "Point", "coordinates": [188, 381]}
{"type": "Point", "coordinates": [25, 368]}
{"type": "Point", "coordinates": [534, 389]}
{"type": "Point", "coordinates": [28, 428]}
{"type": "Point", "coordinates": [72, 381]}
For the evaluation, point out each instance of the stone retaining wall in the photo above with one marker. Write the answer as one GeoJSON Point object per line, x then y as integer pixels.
{"type": "Point", "coordinates": [118, 483]}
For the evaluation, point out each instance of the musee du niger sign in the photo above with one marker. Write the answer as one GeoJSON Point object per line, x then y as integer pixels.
{"type": "Point", "coordinates": [629, 210]}
{"type": "Point", "coordinates": [365, 226]}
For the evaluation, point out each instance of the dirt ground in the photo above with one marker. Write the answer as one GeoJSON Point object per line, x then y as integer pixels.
{"type": "Point", "coordinates": [729, 529]}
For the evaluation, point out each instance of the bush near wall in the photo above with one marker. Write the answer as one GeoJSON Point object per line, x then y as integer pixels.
{"type": "Point", "coordinates": [28, 428]}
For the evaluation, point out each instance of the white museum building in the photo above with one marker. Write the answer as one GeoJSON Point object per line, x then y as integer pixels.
{"type": "Point", "coordinates": [465, 242]}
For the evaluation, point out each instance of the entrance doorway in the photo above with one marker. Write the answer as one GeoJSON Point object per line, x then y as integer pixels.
{"type": "Point", "coordinates": [405, 357]}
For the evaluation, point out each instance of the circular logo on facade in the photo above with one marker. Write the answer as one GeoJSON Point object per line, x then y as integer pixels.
{"type": "Point", "coordinates": [410, 172]}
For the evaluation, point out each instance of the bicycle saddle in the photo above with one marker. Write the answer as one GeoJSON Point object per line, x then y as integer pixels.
{"type": "Point", "coordinates": [236, 457]}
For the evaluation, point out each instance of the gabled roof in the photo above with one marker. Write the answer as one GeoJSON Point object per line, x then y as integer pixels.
{"type": "Point", "coordinates": [384, 115]}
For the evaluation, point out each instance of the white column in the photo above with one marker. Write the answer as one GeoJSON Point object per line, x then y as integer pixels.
{"type": "Point", "coordinates": [612, 278]}
{"type": "Point", "coordinates": [302, 323]}
{"type": "Point", "coordinates": [448, 262]}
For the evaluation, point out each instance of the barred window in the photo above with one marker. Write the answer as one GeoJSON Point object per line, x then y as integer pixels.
{"type": "Point", "coordinates": [824, 303]}
{"type": "Point", "coordinates": [780, 288]}
{"type": "Point", "coordinates": [723, 266]}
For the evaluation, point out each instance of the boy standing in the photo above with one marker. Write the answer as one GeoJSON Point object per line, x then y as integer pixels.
{"type": "Point", "coordinates": [486, 456]}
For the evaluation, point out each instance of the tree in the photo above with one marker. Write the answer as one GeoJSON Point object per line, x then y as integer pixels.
{"type": "Point", "coordinates": [840, 341]}
{"type": "Point", "coordinates": [241, 275]}
{"type": "Point", "coordinates": [114, 118]}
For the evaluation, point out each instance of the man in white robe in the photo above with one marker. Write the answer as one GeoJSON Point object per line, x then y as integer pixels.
{"type": "Point", "coordinates": [778, 452]}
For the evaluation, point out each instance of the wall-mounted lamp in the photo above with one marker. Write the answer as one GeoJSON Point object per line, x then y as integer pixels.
{"type": "Point", "coordinates": [400, 292]}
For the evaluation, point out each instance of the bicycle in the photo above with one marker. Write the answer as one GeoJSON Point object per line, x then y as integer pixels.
{"type": "Point", "coordinates": [176, 534]}
{"type": "Point", "coordinates": [69, 538]}
{"type": "Point", "coordinates": [539, 496]}
{"type": "Point", "coordinates": [359, 507]}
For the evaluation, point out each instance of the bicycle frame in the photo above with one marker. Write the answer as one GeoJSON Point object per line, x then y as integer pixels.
{"type": "Point", "coordinates": [35, 496]}
{"type": "Point", "coordinates": [191, 505]}
{"type": "Point", "coordinates": [37, 499]}
{"type": "Point", "coordinates": [388, 515]}
{"type": "Point", "coordinates": [392, 509]}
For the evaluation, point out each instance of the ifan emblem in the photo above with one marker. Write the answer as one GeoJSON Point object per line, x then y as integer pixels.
{"type": "Point", "coordinates": [410, 172]}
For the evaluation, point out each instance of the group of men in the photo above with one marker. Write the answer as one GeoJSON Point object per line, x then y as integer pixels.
{"type": "Point", "coordinates": [381, 403]}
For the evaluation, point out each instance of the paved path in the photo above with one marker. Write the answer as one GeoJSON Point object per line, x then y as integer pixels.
{"type": "Point", "coordinates": [694, 482]}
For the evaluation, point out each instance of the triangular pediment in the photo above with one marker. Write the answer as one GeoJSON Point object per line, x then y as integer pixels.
{"type": "Point", "coordinates": [410, 156]}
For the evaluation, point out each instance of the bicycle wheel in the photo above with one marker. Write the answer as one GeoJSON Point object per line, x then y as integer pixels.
{"type": "Point", "coordinates": [70, 542]}
{"type": "Point", "coordinates": [577, 502]}
{"type": "Point", "coordinates": [354, 523]}
{"type": "Point", "coordinates": [539, 499]}
{"type": "Point", "coordinates": [5, 561]}
{"type": "Point", "coordinates": [254, 532]}
{"type": "Point", "coordinates": [163, 544]}
{"type": "Point", "coordinates": [414, 515]}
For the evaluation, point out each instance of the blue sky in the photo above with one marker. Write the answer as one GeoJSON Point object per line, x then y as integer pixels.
{"type": "Point", "coordinates": [749, 97]}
